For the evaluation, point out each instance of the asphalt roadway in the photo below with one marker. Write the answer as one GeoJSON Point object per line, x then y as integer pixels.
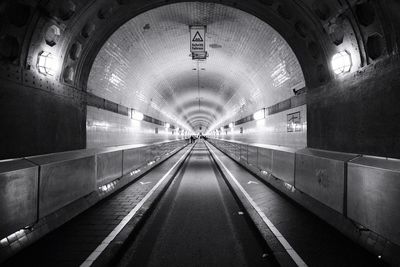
{"type": "Point", "coordinates": [197, 223]}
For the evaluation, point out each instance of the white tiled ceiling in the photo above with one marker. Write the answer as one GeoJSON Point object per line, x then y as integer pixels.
{"type": "Point", "coordinates": [146, 65]}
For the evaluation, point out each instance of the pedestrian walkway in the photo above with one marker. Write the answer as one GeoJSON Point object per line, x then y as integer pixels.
{"type": "Point", "coordinates": [316, 242]}
{"type": "Point", "coordinates": [71, 244]}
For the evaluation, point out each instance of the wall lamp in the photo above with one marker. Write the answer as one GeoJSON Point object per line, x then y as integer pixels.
{"type": "Point", "coordinates": [341, 62]}
{"type": "Point", "coordinates": [47, 63]}
{"type": "Point", "coordinates": [136, 115]}
{"type": "Point", "coordinates": [259, 114]}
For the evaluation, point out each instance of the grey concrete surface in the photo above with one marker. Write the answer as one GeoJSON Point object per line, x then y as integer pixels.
{"type": "Point", "coordinates": [18, 195]}
{"type": "Point", "coordinates": [322, 175]}
{"type": "Point", "coordinates": [109, 166]}
{"type": "Point", "coordinates": [373, 186]}
{"type": "Point", "coordinates": [132, 159]}
{"type": "Point", "coordinates": [63, 181]}
{"type": "Point", "coordinates": [283, 165]}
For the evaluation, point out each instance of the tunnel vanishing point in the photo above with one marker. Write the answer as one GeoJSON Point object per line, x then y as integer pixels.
{"type": "Point", "coordinates": [303, 95]}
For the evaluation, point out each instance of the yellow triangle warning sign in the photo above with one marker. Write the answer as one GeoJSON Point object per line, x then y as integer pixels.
{"type": "Point", "coordinates": [197, 37]}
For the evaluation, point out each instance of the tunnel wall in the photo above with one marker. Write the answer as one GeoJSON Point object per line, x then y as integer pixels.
{"type": "Point", "coordinates": [358, 113]}
{"type": "Point", "coordinates": [105, 128]}
{"type": "Point", "coordinates": [34, 121]}
{"type": "Point", "coordinates": [273, 130]}
{"type": "Point", "coordinates": [314, 29]}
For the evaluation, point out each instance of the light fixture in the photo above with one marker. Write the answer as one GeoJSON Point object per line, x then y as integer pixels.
{"type": "Point", "coordinates": [341, 62]}
{"type": "Point", "coordinates": [136, 115]}
{"type": "Point", "coordinates": [231, 125]}
{"type": "Point", "coordinates": [46, 64]}
{"type": "Point", "coordinates": [167, 125]}
{"type": "Point", "coordinates": [259, 114]}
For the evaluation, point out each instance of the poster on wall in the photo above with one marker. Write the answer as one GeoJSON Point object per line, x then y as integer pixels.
{"type": "Point", "coordinates": [294, 122]}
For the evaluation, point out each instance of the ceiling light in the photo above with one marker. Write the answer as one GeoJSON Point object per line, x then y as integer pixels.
{"type": "Point", "coordinates": [136, 115]}
{"type": "Point", "coordinates": [46, 64]}
{"type": "Point", "coordinates": [341, 62]}
{"type": "Point", "coordinates": [259, 115]}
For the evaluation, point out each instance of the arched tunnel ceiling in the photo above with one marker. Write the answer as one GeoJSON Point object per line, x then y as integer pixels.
{"type": "Point", "coordinates": [146, 65]}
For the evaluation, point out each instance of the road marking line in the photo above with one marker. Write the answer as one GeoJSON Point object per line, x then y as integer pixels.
{"type": "Point", "coordinates": [143, 183]}
{"type": "Point", "coordinates": [292, 253]}
{"type": "Point", "coordinates": [103, 245]}
{"type": "Point", "coordinates": [251, 182]}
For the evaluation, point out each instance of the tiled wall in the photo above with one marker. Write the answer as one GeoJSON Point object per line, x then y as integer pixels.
{"type": "Point", "coordinates": [145, 64]}
{"type": "Point", "coordinates": [272, 130]}
{"type": "Point", "coordinates": [105, 128]}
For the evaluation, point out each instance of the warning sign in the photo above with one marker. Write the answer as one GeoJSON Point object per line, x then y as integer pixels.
{"type": "Point", "coordinates": [197, 38]}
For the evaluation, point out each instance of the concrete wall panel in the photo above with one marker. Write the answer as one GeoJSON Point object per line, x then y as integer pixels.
{"type": "Point", "coordinates": [359, 114]}
{"type": "Point", "coordinates": [18, 195]}
{"type": "Point", "coordinates": [147, 154]}
{"type": "Point", "coordinates": [132, 159]}
{"type": "Point", "coordinates": [283, 165]}
{"type": "Point", "coordinates": [374, 195]}
{"type": "Point", "coordinates": [321, 174]}
{"type": "Point", "coordinates": [109, 167]}
{"type": "Point", "coordinates": [252, 155]}
{"type": "Point", "coordinates": [35, 122]}
{"type": "Point", "coordinates": [62, 182]}
{"type": "Point", "coordinates": [265, 159]}
{"type": "Point", "coordinates": [243, 153]}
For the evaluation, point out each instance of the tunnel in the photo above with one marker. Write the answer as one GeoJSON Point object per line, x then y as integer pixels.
{"type": "Point", "coordinates": [199, 133]}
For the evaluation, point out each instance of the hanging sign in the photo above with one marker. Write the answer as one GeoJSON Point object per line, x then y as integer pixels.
{"type": "Point", "coordinates": [199, 55]}
{"type": "Point", "coordinates": [197, 39]}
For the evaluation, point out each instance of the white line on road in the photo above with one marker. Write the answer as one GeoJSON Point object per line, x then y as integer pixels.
{"type": "Point", "coordinates": [251, 182]}
{"type": "Point", "coordinates": [96, 253]}
{"type": "Point", "coordinates": [143, 183]}
{"type": "Point", "coordinates": [292, 253]}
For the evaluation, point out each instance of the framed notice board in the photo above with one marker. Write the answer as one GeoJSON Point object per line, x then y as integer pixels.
{"type": "Point", "coordinates": [294, 122]}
